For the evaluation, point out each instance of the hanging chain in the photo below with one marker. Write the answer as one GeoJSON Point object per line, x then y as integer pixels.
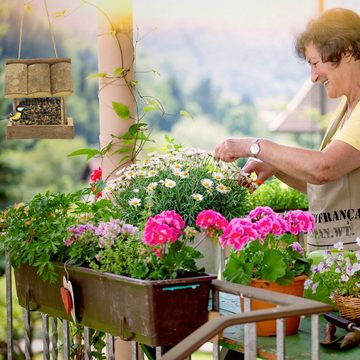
{"type": "Point", "coordinates": [22, 26]}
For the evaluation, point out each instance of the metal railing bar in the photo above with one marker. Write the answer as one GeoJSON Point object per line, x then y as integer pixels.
{"type": "Point", "coordinates": [9, 309]}
{"type": "Point", "coordinates": [280, 339]}
{"type": "Point", "coordinates": [54, 337]}
{"type": "Point", "coordinates": [207, 331]}
{"type": "Point", "coordinates": [87, 343]}
{"type": "Point", "coordinates": [45, 336]}
{"type": "Point", "coordinates": [315, 347]}
{"type": "Point", "coordinates": [27, 334]}
{"type": "Point", "coordinates": [249, 334]}
{"type": "Point", "coordinates": [110, 347]}
{"type": "Point", "coordinates": [66, 334]}
{"type": "Point", "coordinates": [255, 293]}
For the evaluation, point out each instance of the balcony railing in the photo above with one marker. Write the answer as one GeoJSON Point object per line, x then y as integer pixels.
{"type": "Point", "coordinates": [55, 342]}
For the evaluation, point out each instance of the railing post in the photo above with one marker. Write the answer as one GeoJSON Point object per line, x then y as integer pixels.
{"type": "Point", "coordinates": [280, 339]}
{"type": "Point", "coordinates": [66, 334]}
{"type": "Point", "coordinates": [87, 343]}
{"type": "Point", "coordinates": [315, 350]}
{"type": "Point", "coordinates": [45, 332]}
{"type": "Point", "coordinates": [54, 337]}
{"type": "Point", "coordinates": [249, 334]}
{"type": "Point", "coordinates": [27, 334]}
{"type": "Point", "coordinates": [110, 347]}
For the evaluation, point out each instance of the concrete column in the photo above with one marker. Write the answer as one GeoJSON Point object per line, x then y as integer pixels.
{"type": "Point", "coordinates": [115, 50]}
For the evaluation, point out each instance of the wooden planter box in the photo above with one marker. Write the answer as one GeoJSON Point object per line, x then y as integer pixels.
{"type": "Point", "coordinates": [155, 313]}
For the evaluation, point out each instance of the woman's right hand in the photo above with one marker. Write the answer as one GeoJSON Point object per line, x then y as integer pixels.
{"type": "Point", "coordinates": [262, 170]}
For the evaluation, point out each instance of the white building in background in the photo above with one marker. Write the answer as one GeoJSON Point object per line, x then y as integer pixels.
{"type": "Point", "coordinates": [299, 116]}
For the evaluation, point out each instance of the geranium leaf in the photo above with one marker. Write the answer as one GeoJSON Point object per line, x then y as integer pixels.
{"type": "Point", "coordinates": [237, 271]}
{"type": "Point", "coordinates": [274, 266]}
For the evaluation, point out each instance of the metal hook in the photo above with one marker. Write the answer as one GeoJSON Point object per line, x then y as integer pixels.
{"type": "Point", "coordinates": [67, 274]}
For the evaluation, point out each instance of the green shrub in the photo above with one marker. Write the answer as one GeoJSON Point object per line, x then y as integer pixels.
{"type": "Point", "coordinates": [277, 195]}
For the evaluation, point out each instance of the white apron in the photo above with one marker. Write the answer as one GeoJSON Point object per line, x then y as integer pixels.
{"type": "Point", "coordinates": [335, 206]}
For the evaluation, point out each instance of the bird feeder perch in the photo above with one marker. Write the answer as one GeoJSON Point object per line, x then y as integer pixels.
{"type": "Point", "coordinates": [40, 86]}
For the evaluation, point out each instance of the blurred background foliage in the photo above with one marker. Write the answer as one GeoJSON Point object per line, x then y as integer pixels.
{"type": "Point", "coordinates": [32, 166]}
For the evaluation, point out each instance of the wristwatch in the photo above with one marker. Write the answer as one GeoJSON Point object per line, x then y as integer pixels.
{"type": "Point", "coordinates": [255, 148]}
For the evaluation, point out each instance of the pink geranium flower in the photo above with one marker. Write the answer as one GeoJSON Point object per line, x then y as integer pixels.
{"type": "Point", "coordinates": [299, 221]}
{"type": "Point", "coordinates": [211, 221]}
{"type": "Point", "coordinates": [162, 228]}
{"type": "Point", "coordinates": [238, 233]}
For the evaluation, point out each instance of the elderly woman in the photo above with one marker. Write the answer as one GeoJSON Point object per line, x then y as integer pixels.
{"type": "Point", "coordinates": [330, 176]}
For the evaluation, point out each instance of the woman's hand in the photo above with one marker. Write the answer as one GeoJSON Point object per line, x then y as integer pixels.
{"type": "Point", "coordinates": [262, 170]}
{"type": "Point", "coordinates": [232, 149]}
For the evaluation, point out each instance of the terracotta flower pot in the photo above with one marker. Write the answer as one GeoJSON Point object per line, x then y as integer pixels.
{"type": "Point", "coordinates": [268, 328]}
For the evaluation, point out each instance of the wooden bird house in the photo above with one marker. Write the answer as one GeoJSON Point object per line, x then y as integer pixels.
{"type": "Point", "coordinates": [39, 86]}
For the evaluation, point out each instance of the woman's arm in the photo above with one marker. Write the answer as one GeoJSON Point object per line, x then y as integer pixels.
{"type": "Point", "coordinates": [302, 165]}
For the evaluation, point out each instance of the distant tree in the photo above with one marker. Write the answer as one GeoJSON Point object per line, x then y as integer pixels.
{"type": "Point", "coordinates": [10, 175]}
{"type": "Point", "coordinates": [47, 167]}
{"type": "Point", "coordinates": [207, 96]}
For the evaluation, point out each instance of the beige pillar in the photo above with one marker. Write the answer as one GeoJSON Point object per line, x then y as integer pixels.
{"type": "Point", "coordinates": [115, 50]}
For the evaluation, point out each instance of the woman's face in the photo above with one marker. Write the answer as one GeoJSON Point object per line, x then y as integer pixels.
{"type": "Point", "coordinates": [328, 73]}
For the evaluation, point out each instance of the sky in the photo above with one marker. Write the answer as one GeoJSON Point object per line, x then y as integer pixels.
{"type": "Point", "coordinates": [258, 15]}
{"type": "Point", "coordinates": [243, 21]}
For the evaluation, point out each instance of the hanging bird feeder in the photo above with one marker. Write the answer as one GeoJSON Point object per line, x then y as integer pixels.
{"type": "Point", "coordinates": [38, 88]}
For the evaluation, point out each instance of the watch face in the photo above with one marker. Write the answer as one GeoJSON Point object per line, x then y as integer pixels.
{"type": "Point", "coordinates": [254, 149]}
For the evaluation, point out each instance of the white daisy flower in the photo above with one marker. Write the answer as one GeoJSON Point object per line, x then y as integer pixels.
{"type": "Point", "coordinates": [151, 173]}
{"type": "Point", "coordinates": [197, 197]}
{"type": "Point", "coordinates": [151, 187]}
{"type": "Point", "coordinates": [134, 202]}
{"type": "Point", "coordinates": [221, 188]}
{"type": "Point", "coordinates": [207, 183]}
{"type": "Point", "coordinates": [170, 183]}
{"type": "Point", "coordinates": [217, 176]}
{"type": "Point", "coordinates": [175, 167]}
{"type": "Point", "coordinates": [184, 174]}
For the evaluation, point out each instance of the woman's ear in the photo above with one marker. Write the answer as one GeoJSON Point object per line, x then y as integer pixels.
{"type": "Point", "coordinates": [348, 55]}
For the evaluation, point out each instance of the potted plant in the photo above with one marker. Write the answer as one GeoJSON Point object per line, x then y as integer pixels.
{"type": "Point", "coordinates": [72, 256]}
{"type": "Point", "coordinates": [266, 254]}
{"type": "Point", "coordinates": [335, 278]}
{"type": "Point", "coordinates": [279, 196]}
{"type": "Point", "coordinates": [186, 180]}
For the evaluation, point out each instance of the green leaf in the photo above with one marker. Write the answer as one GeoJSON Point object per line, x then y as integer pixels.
{"type": "Point", "coordinates": [118, 71]}
{"type": "Point", "coordinates": [98, 75]}
{"type": "Point", "coordinates": [90, 153]}
{"type": "Point", "coordinates": [148, 108]}
{"type": "Point", "coordinates": [274, 266]}
{"type": "Point", "coordinates": [185, 113]}
{"type": "Point", "coordinates": [121, 110]}
{"type": "Point", "coordinates": [237, 271]}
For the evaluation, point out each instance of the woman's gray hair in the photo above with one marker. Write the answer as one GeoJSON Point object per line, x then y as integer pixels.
{"type": "Point", "coordinates": [334, 33]}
